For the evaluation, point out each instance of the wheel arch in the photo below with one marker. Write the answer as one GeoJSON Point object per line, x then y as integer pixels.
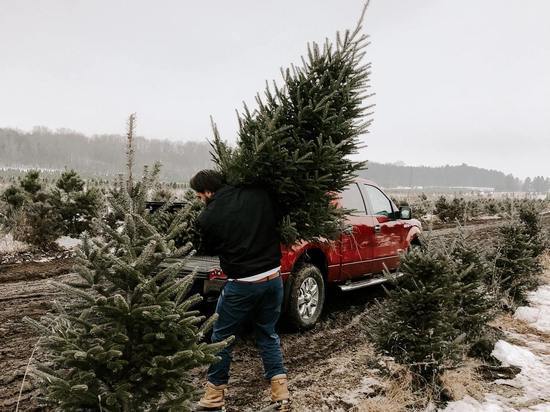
{"type": "Point", "coordinates": [314, 256]}
{"type": "Point", "coordinates": [413, 237]}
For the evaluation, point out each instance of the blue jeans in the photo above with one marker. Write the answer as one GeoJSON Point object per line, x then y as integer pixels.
{"type": "Point", "coordinates": [238, 302]}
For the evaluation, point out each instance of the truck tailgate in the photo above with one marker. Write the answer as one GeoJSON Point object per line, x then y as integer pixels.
{"type": "Point", "coordinates": [202, 264]}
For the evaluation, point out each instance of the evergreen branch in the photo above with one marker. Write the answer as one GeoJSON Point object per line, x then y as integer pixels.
{"type": "Point", "coordinates": [73, 291]}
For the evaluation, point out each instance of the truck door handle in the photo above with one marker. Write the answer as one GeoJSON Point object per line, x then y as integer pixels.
{"type": "Point", "coordinates": [377, 228]}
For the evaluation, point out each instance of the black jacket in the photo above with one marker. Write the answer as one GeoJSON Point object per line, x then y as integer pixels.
{"type": "Point", "coordinates": [240, 226]}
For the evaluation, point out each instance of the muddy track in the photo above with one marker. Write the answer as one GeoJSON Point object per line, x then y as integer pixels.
{"type": "Point", "coordinates": [18, 298]}
{"type": "Point", "coordinates": [27, 271]}
{"type": "Point", "coordinates": [323, 363]}
{"type": "Point", "coordinates": [479, 231]}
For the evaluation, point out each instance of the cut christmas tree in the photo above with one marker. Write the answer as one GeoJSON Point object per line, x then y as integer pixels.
{"type": "Point", "coordinates": [298, 141]}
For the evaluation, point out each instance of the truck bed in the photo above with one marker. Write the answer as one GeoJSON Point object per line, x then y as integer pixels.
{"type": "Point", "coordinates": [202, 264]}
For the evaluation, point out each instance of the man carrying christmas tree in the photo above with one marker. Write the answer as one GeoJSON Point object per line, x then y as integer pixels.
{"type": "Point", "coordinates": [238, 224]}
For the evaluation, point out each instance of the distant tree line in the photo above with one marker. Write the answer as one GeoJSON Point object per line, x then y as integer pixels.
{"type": "Point", "coordinates": [101, 156]}
{"type": "Point", "coordinates": [389, 175]}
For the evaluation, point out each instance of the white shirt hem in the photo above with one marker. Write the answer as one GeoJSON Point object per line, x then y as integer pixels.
{"type": "Point", "coordinates": [259, 276]}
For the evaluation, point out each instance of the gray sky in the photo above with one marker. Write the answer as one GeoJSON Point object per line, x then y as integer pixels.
{"type": "Point", "coordinates": [456, 81]}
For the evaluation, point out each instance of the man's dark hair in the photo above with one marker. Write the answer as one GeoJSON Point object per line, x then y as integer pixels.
{"type": "Point", "coordinates": [207, 179]}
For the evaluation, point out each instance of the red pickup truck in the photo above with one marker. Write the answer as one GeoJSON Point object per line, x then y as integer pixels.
{"type": "Point", "coordinates": [376, 233]}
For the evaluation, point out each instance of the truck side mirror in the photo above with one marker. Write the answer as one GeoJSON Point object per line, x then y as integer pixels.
{"type": "Point", "coordinates": [405, 212]}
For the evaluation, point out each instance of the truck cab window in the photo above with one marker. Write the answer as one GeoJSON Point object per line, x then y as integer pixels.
{"type": "Point", "coordinates": [353, 199]}
{"type": "Point", "coordinates": [380, 204]}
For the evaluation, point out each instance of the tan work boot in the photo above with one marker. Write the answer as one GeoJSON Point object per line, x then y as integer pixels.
{"type": "Point", "coordinates": [279, 393]}
{"type": "Point", "coordinates": [213, 398]}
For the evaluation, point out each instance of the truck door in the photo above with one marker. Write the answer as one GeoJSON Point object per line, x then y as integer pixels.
{"type": "Point", "coordinates": [388, 231]}
{"type": "Point", "coordinates": [355, 242]}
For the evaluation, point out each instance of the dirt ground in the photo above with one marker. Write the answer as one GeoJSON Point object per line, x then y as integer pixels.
{"type": "Point", "coordinates": [24, 291]}
{"type": "Point", "coordinates": [331, 368]}
{"type": "Point", "coordinates": [338, 334]}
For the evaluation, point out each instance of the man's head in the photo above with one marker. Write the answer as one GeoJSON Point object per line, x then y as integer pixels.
{"type": "Point", "coordinates": [206, 183]}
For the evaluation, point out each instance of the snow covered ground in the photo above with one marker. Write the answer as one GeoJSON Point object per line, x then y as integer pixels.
{"type": "Point", "coordinates": [67, 242]}
{"type": "Point", "coordinates": [16, 252]}
{"type": "Point", "coordinates": [537, 315]}
{"type": "Point", "coordinates": [8, 245]}
{"type": "Point", "coordinates": [530, 352]}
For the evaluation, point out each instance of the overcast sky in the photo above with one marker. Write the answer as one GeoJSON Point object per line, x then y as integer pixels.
{"type": "Point", "coordinates": [455, 81]}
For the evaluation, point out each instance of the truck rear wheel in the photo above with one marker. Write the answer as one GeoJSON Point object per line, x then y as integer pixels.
{"type": "Point", "coordinates": [306, 297]}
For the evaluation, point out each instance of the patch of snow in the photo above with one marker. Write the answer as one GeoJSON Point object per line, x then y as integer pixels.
{"type": "Point", "coordinates": [488, 217]}
{"type": "Point", "coordinates": [533, 358]}
{"type": "Point", "coordinates": [534, 377]}
{"type": "Point", "coordinates": [8, 245]}
{"type": "Point", "coordinates": [537, 315]}
{"type": "Point", "coordinates": [491, 403]}
{"type": "Point", "coordinates": [514, 355]}
{"type": "Point", "coordinates": [526, 340]}
{"type": "Point", "coordinates": [45, 259]}
{"type": "Point", "coordinates": [367, 386]}
{"type": "Point", "coordinates": [67, 242]}
{"type": "Point", "coordinates": [429, 217]}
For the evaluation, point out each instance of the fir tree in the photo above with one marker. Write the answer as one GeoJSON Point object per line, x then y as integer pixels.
{"type": "Point", "coordinates": [14, 197]}
{"type": "Point", "coordinates": [40, 223]}
{"type": "Point", "coordinates": [11, 202]}
{"type": "Point", "coordinates": [162, 194]}
{"type": "Point", "coordinates": [298, 141]}
{"type": "Point", "coordinates": [76, 204]}
{"type": "Point", "coordinates": [530, 216]}
{"type": "Point", "coordinates": [475, 306]}
{"type": "Point", "coordinates": [130, 337]}
{"type": "Point", "coordinates": [130, 151]}
{"type": "Point", "coordinates": [163, 217]}
{"type": "Point", "coordinates": [437, 310]}
{"type": "Point", "coordinates": [30, 214]}
{"type": "Point", "coordinates": [417, 322]}
{"type": "Point", "coordinates": [31, 182]}
{"type": "Point", "coordinates": [516, 266]}
{"type": "Point", "coordinates": [449, 211]}
{"type": "Point", "coordinates": [422, 205]}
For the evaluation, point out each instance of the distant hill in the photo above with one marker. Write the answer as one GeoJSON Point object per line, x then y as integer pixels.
{"type": "Point", "coordinates": [104, 156]}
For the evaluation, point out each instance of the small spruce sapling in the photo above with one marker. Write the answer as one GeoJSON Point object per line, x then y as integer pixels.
{"type": "Point", "coordinates": [130, 337]}
{"type": "Point", "coordinates": [30, 214]}
{"type": "Point", "coordinates": [417, 323]}
{"type": "Point", "coordinates": [475, 305]}
{"type": "Point", "coordinates": [76, 204]}
{"type": "Point", "coordinates": [516, 266]}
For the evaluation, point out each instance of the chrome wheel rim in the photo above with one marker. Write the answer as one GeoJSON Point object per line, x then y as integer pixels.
{"type": "Point", "coordinates": [308, 298]}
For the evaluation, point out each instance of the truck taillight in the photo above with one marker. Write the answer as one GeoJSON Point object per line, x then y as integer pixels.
{"type": "Point", "coordinates": [216, 274]}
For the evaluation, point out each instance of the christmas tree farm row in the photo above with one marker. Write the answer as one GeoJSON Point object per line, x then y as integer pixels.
{"type": "Point", "coordinates": [437, 314]}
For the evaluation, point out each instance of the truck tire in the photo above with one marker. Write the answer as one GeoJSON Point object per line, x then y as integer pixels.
{"type": "Point", "coordinates": [415, 245]}
{"type": "Point", "coordinates": [306, 298]}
